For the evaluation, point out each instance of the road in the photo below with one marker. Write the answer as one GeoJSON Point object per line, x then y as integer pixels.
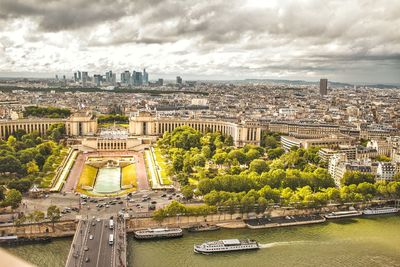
{"type": "Point", "coordinates": [134, 206]}
{"type": "Point", "coordinates": [91, 245]}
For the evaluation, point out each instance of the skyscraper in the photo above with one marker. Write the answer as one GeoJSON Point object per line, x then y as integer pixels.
{"type": "Point", "coordinates": [85, 77]}
{"type": "Point", "coordinates": [323, 86]}
{"type": "Point", "coordinates": [145, 77]}
{"type": "Point", "coordinates": [126, 77]}
{"type": "Point", "coordinates": [109, 76]}
{"type": "Point", "coordinates": [137, 78]}
{"type": "Point", "coordinates": [178, 80]}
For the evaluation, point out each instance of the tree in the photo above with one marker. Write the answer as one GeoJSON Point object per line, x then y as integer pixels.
{"type": "Point", "coordinates": [11, 164]}
{"type": "Point", "coordinates": [206, 151]}
{"type": "Point", "coordinates": [356, 177]}
{"type": "Point", "coordinates": [252, 154]}
{"type": "Point", "coordinates": [54, 214]}
{"type": "Point", "coordinates": [32, 167]}
{"type": "Point", "coordinates": [21, 185]}
{"type": "Point", "coordinates": [219, 158]}
{"type": "Point", "coordinates": [38, 217]}
{"type": "Point", "coordinates": [199, 160]}
{"type": "Point", "coordinates": [187, 191]}
{"type": "Point", "coordinates": [275, 153]}
{"type": "Point", "coordinates": [259, 166]}
{"type": "Point", "coordinates": [13, 198]}
{"type": "Point", "coordinates": [159, 215]}
{"type": "Point", "coordinates": [228, 141]}
{"type": "Point", "coordinates": [177, 163]}
{"type": "Point", "coordinates": [238, 155]}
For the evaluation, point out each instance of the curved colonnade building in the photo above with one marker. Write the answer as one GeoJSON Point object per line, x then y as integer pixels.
{"type": "Point", "coordinates": [145, 127]}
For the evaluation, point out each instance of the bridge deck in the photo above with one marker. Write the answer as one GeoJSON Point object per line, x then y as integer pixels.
{"type": "Point", "coordinates": [91, 247]}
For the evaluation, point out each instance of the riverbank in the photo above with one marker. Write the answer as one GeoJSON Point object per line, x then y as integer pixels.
{"type": "Point", "coordinates": [356, 242]}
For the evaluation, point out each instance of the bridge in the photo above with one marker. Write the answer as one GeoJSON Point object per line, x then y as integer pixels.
{"type": "Point", "coordinates": [99, 242]}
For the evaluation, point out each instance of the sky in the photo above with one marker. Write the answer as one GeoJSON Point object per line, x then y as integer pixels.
{"type": "Point", "coordinates": [347, 41]}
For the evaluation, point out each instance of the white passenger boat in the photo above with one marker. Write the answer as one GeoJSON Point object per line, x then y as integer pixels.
{"type": "Point", "coordinates": [382, 210]}
{"type": "Point", "coordinates": [343, 214]}
{"type": "Point", "coordinates": [226, 245]}
{"type": "Point", "coordinates": [154, 233]}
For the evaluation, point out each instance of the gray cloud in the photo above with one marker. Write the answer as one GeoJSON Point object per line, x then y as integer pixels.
{"type": "Point", "coordinates": [305, 38]}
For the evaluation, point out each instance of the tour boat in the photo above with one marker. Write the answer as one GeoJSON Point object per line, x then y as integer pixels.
{"type": "Point", "coordinates": [154, 233]}
{"type": "Point", "coordinates": [226, 245]}
{"type": "Point", "coordinates": [382, 210]}
{"type": "Point", "coordinates": [343, 214]}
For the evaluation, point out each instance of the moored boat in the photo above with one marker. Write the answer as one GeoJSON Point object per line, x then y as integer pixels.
{"type": "Point", "coordinates": [381, 210]}
{"type": "Point", "coordinates": [226, 245]}
{"type": "Point", "coordinates": [154, 233]}
{"type": "Point", "coordinates": [202, 228]}
{"type": "Point", "coordinates": [343, 214]}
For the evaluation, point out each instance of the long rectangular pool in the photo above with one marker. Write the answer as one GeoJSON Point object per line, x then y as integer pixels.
{"type": "Point", "coordinates": [108, 180]}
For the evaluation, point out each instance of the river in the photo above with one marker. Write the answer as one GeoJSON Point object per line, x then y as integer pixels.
{"type": "Point", "coordinates": [373, 241]}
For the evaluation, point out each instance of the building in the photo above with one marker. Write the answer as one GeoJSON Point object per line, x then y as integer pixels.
{"type": "Point", "coordinates": [381, 146]}
{"type": "Point", "coordinates": [326, 153]}
{"type": "Point", "coordinates": [126, 77]}
{"type": "Point", "coordinates": [144, 123]}
{"type": "Point", "coordinates": [97, 78]}
{"type": "Point", "coordinates": [336, 167]}
{"type": "Point", "coordinates": [323, 86]}
{"type": "Point", "coordinates": [178, 80]}
{"type": "Point", "coordinates": [137, 78]}
{"type": "Point", "coordinates": [145, 77]}
{"type": "Point", "coordinates": [85, 78]}
{"type": "Point", "coordinates": [330, 142]}
{"type": "Point", "coordinates": [385, 171]}
{"type": "Point", "coordinates": [78, 124]}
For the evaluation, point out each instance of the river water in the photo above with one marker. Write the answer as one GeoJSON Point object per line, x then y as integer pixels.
{"type": "Point", "coordinates": [373, 241]}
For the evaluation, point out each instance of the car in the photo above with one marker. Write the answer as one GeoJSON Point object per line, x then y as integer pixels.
{"type": "Point", "coordinates": [131, 200]}
{"type": "Point", "coordinates": [91, 237]}
{"type": "Point", "coordinates": [98, 219]}
{"type": "Point", "coordinates": [174, 194]}
{"type": "Point", "coordinates": [163, 195]}
{"type": "Point", "coordinates": [121, 202]}
{"type": "Point", "coordinates": [113, 203]}
{"type": "Point", "coordinates": [85, 248]}
{"type": "Point", "coordinates": [154, 202]}
{"type": "Point", "coordinates": [138, 205]}
{"type": "Point", "coordinates": [107, 206]}
{"type": "Point", "coordinates": [111, 217]}
{"type": "Point", "coordinates": [93, 223]}
{"type": "Point", "coordinates": [118, 198]}
{"type": "Point", "coordinates": [169, 197]}
{"type": "Point", "coordinates": [83, 203]}
{"type": "Point", "coordinates": [87, 259]}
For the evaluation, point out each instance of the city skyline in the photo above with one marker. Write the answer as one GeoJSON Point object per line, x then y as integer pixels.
{"type": "Point", "coordinates": [236, 40]}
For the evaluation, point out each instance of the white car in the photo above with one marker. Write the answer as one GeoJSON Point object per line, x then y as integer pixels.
{"type": "Point", "coordinates": [91, 237]}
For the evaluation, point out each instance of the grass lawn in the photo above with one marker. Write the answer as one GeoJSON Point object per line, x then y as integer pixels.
{"type": "Point", "coordinates": [129, 176]}
{"type": "Point", "coordinates": [163, 166]}
{"type": "Point", "coordinates": [110, 124]}
{"type": "Point", "coordinates": [88, 176]}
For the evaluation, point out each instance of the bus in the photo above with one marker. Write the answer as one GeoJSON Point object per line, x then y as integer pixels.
{"type": "Point", "coordinates": [111, 224]}
{"type": "Point", "coordinates": [111, 239]}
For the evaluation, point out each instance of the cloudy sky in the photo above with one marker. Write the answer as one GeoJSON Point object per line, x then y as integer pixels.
{"type": "Point", "coordinates": [349, 41]}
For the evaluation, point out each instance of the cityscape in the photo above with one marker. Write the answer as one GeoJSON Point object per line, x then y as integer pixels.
{"type": "Point", "coordinates": [160, 133]}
